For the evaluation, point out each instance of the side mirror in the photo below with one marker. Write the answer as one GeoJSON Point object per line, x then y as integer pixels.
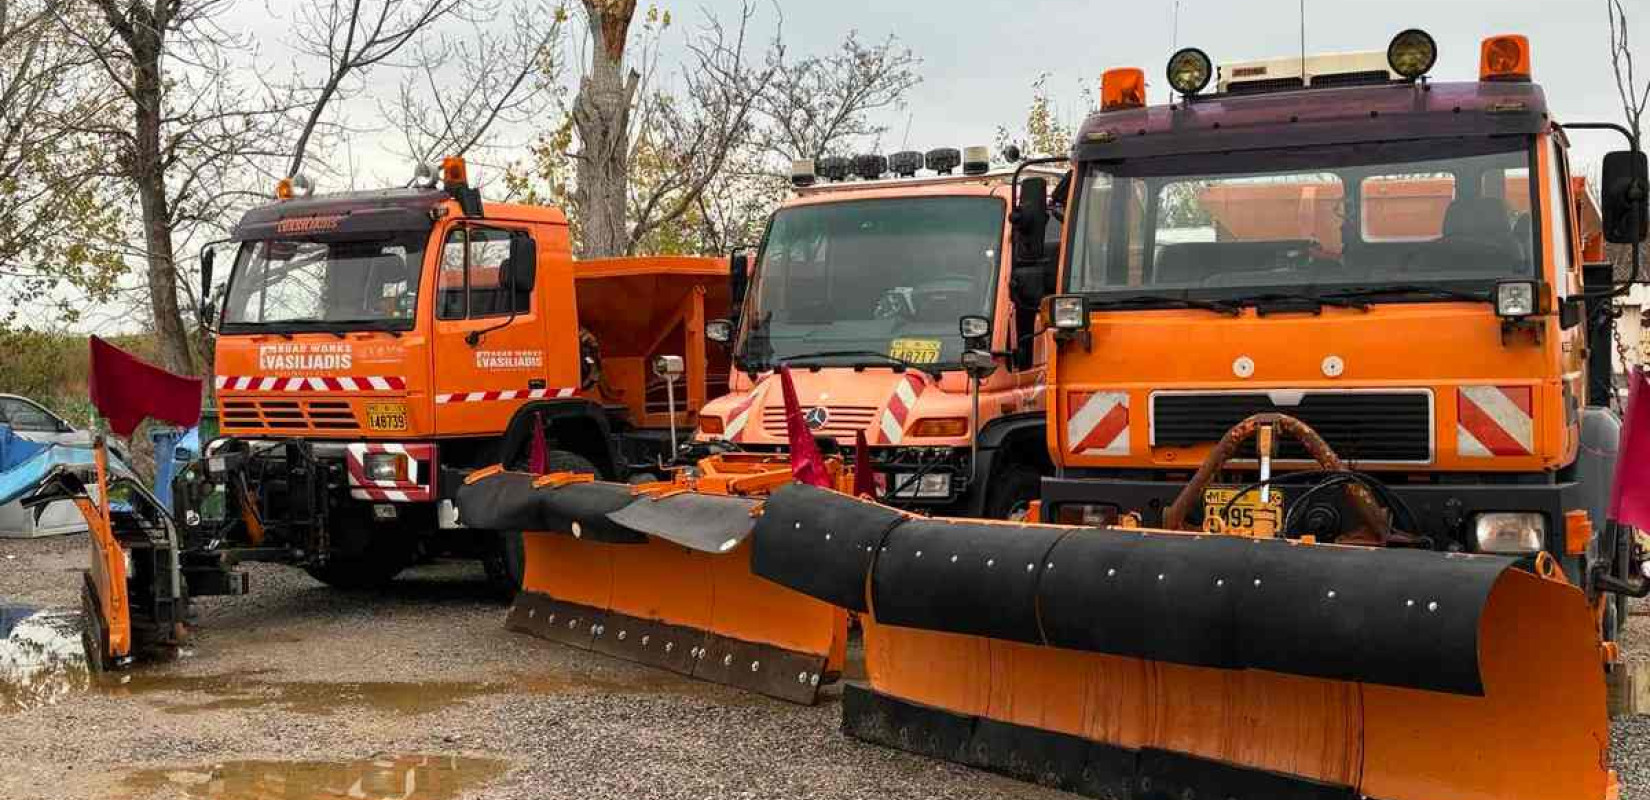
{"type": "Point", "coordinates": [719, 331]}
{"type": "Point", "coordinates": [979, 364]}
{"type": "Point", "coordinates": [976, 331]}
{"type": "Point", "coordinates": [1030, 221]}
{"type": "Point", "coordinates": [207, 312]}
{"type": "Point", "coordinates": [1625, 192]}
{"type": "Point", "coordinates": [524, 261]}
{"type": "Point", "coordinates": [739, 278]}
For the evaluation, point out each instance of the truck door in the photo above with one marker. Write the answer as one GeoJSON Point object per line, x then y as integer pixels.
{"type": "Point", "coordinates": [489, 333]}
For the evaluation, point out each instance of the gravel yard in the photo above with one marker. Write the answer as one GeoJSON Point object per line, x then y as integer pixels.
{"type": "Point", "coordinates": [300, 691]}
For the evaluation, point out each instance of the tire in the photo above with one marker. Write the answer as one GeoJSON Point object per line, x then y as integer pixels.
{"type": "Point", "coordinates": [506, 559]}
{"type": "Point", "coordinates": [1011, 491]}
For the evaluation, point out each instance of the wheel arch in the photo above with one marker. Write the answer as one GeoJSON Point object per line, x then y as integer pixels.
{"type": "Point", "coordinates": [576, 425]}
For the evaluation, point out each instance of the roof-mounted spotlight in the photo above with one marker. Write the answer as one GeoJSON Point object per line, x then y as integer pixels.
{"type": "Point", "coordinates": [1189, 71]}
{"type": "Point", "coordinates": [834, 168]}
{"type": "Point", "coordinates": [802, 172]}
{"type": "Point", "coordinates": [870, 166]}
{"type": "Point", "coordinates": [943, 159]}
{"type": "Point", "coordinates": [976, 160]}
{"type": "Point", "coordinates": [423, 176]}
{"type": "Point", "coordinates": [1412, 53]}
{"type": "Point", "coordinates": [905, 163]}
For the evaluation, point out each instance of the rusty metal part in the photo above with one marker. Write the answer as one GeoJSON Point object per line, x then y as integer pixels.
{"type": "Point", "coordinates": [1377, 527]}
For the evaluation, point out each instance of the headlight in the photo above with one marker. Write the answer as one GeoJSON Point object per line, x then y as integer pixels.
{"type": "Point", "coordinates": [974, 326]}
{"type": "Point", "coordinates": [1516, 299]}
{"type": "Point", "coordinates": [719, 331]}
{"type": "Point", "coordinates": [387, 467]}
{"type": "Point", "coordinates": [1189, 70]}
{"type": "Point", "coordinates": [1067, 312]}
{"type": "Point", "coordinates": [710, 426]}
{"type": "Point", "coordinates": [931, 485]}
{"type": "Point", "coordinates": [1412, 53]}
{"type": "Point", "coordinates": [1510, 532]}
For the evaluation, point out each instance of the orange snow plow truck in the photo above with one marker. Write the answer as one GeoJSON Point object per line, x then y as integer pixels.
{"type": "Point", "coordinates": [1330, 416]}
{"type": "Point", "coordinates": [375, 347]}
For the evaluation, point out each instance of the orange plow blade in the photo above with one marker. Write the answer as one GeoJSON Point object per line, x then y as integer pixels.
{"type": "Point", "coordinates": [1145, 664]}
{"type": "Point", "coordinates": [661, 577]}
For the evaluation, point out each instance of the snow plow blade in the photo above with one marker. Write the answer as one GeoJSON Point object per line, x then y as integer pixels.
{"type": "Point", "coordinates": [1149, 664]}
{"type": "Point", "coordinates": [660, 576]}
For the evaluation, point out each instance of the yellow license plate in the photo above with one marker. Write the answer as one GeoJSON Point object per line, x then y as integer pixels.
{"type": "Point", "coordinates": [916, 351]}
{"type": "Point", "coordinates": [1220, 513]}
{"type": "Point", "coordinates": [387, 416]}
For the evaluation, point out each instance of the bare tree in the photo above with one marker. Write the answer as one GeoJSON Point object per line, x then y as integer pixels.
{"type": "Point", "coordinates": [353, 37]}
{"type": "Point", "coordinates": [56, 225]}
{"type": "Point", "coordinates": [191, 138]}
{"type": "Point", "coordinates": [818, 104]}
{"type": "Point", "coordinates": [1633, 99]}
{"type": "Point", "coordinates": [499, 81]}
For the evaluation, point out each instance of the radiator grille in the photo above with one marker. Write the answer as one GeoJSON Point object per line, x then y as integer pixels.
{"type": "Point", "coordinates": [841, 421]}
{"type": "Point", "coordinates": [288, 415]}
{"type": "Point", "coordinates": [1360, 426]}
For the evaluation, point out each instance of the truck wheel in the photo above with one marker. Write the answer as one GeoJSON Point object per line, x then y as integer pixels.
{"type": "Point", "coordinates": [506, 560]}
{"type": "Point", "coordinates": [1011, 491]}
{"type": "Point", "coordinates": [387, 554]}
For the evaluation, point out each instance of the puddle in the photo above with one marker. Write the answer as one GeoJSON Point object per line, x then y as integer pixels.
{"type": "Point", "coordinates": [41, 658]}
{"type": "Point", "coordinates": [402, 777]}
{"type": "Point", "coordinates": [1629, 690]}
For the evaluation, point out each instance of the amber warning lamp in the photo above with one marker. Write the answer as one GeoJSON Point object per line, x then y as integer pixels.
{"type": "Point", "coordinates": [454, 172]}
{"type": "Point", "coordinates": [1122, 88]}
{"type": "Point", "coordinates": [455, 176]}
{"type": "Point", "coordinates": [1505, 58]}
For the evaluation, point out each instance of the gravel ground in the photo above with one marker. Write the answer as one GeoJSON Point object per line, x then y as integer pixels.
{"type": "Point", "coordinates": [296, 672]}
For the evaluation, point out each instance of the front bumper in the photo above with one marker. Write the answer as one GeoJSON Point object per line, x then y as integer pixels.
{"type": "Point", "coordinates": [1443, 511]}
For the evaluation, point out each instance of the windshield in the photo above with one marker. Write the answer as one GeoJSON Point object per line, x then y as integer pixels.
{"type": "Point", "coordinates": [1306, 220]}
{"type": "Point", "coordinates": [304, 282]}
{"type": "Point", "coordinates": [874, 280]}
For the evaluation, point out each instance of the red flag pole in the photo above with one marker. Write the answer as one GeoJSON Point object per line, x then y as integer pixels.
{"type": "Point", "coordinates": [865, 479]}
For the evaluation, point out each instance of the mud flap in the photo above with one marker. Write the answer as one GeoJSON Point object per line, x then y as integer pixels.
{"type": "Point", "coordinates": [666, 581]}
{"type": "Point", "coordinates": [1150, 664]}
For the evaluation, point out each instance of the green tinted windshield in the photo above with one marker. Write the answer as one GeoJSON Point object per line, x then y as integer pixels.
{"type": "Point", "coordinates": [889, 276]}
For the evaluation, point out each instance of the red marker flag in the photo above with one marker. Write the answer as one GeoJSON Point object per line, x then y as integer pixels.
{"type": "Point", "coordinates": [807, 465]}
{"type": "Point", "coordinates": [126, 390]}
{"type": "Point", "coordinates": [538, 453]}
{"type": "Point", "coordinates": [1630, 493]}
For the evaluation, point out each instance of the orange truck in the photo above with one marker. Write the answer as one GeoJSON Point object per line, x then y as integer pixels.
{"type": "Point", "coordinates": [374, 347]}
{"type": "Point", "coordinates": [870, 283]}
{"type": "Point", "coordinates": [1329, 409]}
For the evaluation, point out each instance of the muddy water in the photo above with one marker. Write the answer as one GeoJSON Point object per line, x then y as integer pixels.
{"type": "Point", "coordinates": [42, 663]}
{"type": "Point", "coordinates": [403, 777]}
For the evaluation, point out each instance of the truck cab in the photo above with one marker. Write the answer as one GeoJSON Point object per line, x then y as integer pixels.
{"type": "Point", "coordinates": [859, 286]}
{"type": "Point", "coordinates": [375, 347]}
{"type": "Point", "coordinates": [1400, 263]}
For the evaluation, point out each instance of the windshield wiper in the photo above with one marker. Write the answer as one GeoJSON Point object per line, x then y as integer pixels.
{"type": "Point", "coordinates": [1316, 301]}
{"type": "Point", "coordinates": [1162, 300]}
{"type": "Point", "coordinates": [901, 363]}
{"type": "Point", "coordinates": [1439, 292]}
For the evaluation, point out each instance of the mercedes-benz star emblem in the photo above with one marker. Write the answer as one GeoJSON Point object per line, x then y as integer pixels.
{"type": "Point", "coordinates": [816, 417]}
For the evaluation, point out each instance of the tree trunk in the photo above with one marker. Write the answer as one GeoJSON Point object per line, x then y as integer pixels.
{"type": "Point", "coordinates": [148, 174]}
{"type": "Point", "coordinates": [601, 116]}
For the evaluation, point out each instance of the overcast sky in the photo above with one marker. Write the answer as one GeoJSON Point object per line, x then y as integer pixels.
{"type": "Point", "coordinates": [980, 58]}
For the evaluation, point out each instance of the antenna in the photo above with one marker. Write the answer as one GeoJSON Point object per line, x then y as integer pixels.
{"type": "Point", "coordinates": [905, 140]}
{"type": "Point", "coordinates": [1174, 39]}
{"type": "Point", "coordinates": [1303, 44]}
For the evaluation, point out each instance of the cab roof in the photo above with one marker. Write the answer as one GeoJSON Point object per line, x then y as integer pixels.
{"type": "Point", "coordinates": [990, 183]}
{"type": "Point", "coordinates": [374, 211]}
{"type": "Point", "coordinates": [1308, 117]}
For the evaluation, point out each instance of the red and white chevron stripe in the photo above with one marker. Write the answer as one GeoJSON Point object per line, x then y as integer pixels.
{"type": "Point", "coordinates": [740, 416]}
{"type": "Point", "coordinates": [504, 394]}
{"type": "Point", "coordinates": [1494, 421]}
{"type": "Point", "coordinates": [411, 490]}
{"type": "Point", "coordinates": [1098, 423]}
{"type": "Point", "coordinates": [899, 408]}
{"type": "Point", "coordinates": [299, 383]}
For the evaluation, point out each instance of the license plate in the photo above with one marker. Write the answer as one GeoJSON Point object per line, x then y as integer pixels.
{"type": "Point", "coordinates": [915, 351]}
{"type": "Point", "coordinates": [1239, 517]}
{"type": "Point", "coordinates": [387, 416]}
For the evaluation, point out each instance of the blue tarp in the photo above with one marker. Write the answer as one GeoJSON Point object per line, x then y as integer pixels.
{"type": "Point", "coordinates": [23, 463]}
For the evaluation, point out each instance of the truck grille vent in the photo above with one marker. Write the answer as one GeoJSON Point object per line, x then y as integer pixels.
{"type": "Point", "coordinates": [1264, 85]}
{"type": "Point", "coordinates": [842, 421]}
{"type": "Point", "coordinates": [1373, 77]}
{"type": "Point", "coordinates": [1360, 426]}
{"type": "Point", "coordinates": [288, 415]}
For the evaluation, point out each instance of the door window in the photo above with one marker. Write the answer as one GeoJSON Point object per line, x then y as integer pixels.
{"type": "Point", "coordinates": [23, 416]}
{"type": "Point", "coordinates": [475, 276]}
